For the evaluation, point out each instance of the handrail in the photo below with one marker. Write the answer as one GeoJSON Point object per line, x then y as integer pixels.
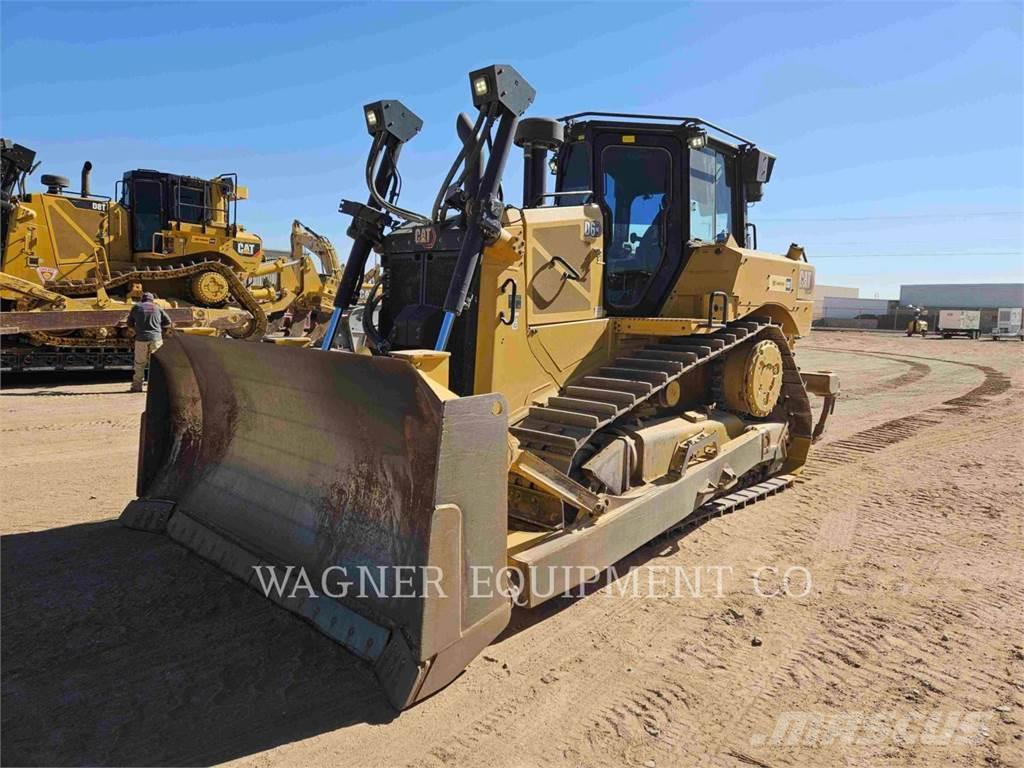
{"type": "Point", "coordinates": [665, 118]}
{"type": "Point", "coordinates": [588, 192]}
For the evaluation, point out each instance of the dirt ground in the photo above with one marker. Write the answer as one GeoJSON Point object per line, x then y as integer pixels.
{"type": "Point", "coordinates": [119, 647]}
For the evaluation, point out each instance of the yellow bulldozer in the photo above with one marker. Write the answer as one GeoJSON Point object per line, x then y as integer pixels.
{"type": "Point", "coordinates": [551, 385]}
{"type": "Point", "coordinates": [73, 263]}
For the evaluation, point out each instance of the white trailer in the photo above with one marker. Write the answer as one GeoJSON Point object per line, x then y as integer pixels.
{"type": "Point", "coordinates": [959, 322]}
{"type": "Point", "coordinates": [1008, 324]}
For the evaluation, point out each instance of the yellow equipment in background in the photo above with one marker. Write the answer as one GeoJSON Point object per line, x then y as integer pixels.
{"type": "Point", "coordinates": [309, 290]}
{"type": "Point", "coordinates": [73, 264]}
{"type": "Point", "coordinates": [552, 385]}
{"type": "Point", "coordinates": [918, 326]}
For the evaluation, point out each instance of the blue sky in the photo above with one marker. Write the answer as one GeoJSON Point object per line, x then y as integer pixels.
{"type": "Point", "coordinates": [899, 127]}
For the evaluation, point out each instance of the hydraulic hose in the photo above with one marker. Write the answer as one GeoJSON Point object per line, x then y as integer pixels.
{"type": "Point", "coordinates": [355, 267]}
{"type": "Point", "coordinates": [388, 176]}
{"type": "Point", "coordinates": [464, 152]}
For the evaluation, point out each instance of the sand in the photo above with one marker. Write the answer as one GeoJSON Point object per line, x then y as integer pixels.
{"type": "Point", "coordinates": [120, 647]}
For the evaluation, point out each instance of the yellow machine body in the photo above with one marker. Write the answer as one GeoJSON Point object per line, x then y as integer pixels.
{"type": "Point", "coordinates": [552, 385]}
{"type": "Point", "coordinates": [175, 236]}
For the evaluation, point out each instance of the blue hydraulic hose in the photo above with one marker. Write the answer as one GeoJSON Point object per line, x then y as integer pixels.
{"type": "Point", "coordinates": [446, 330]}
{"type": "Point", "coordinates": [332, 330]}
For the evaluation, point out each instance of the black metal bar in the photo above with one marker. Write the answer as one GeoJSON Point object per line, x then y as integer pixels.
{"type": "Point", "coordinates": [511, 303]}
{"type": "Point", "coordinates": [535, 168]}
{"type": "Point", "coordinates": [467, 136]}
{"type": "Point", "coordinates": [588, 193]}
{"type": "Point", "coordinates": [711, 308]}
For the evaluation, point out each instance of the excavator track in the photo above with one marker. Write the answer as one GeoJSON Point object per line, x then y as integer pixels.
{"type": "Point", "coordinates": [563, 429]}
{"type": "Point", "coordinates": [256, 329]}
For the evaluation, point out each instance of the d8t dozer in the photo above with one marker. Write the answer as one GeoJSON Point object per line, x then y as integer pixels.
{"type": "Point", "coordinates": [72, 264]}
{"type": "Point", "coordinates": [551, 386]}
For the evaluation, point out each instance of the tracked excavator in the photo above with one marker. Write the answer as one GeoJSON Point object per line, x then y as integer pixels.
{"type": "Point", "coordinates": [551, 385]}
{"type": "Point", "coordinates": [74, 262]}
{"type": "Point", "coordinates": [312, 289]}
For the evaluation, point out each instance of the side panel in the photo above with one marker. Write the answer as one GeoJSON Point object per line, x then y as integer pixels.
{"type": "Point", "coordinates": [754, 280]}
{"type": "Point", "coordinates": [525, 360]}
{"type": "Point", "coordinates": [55, 237]}
{"type": "Point", "coordinates": [564, 264]}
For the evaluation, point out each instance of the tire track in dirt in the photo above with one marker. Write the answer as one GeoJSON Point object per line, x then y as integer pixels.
{"type": "Point", "coordinates": [917, 372]}
{"type": "Point", "coordinates": [74, 426]}
{"type": "Point", "coordinates": [849, 655]}
{"type": "Point", "coordinates": [876, 438]}
{"type": "Point", "coordinates": [625, 713]}
{"type": "Point", "coordinates": [857, 652]}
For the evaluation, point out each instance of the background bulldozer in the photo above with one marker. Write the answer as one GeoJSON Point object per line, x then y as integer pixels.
{"type": "Point", "coordinates": [73, 263]}
{"type": "Point", "coordinates": [552, 385]}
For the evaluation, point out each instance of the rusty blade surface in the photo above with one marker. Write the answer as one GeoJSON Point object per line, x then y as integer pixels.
{"type": "Point", "coordinates": [326, 461]}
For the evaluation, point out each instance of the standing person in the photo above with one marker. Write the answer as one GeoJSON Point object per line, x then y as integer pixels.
{"type": "Point", "coordinates": [149, 320]}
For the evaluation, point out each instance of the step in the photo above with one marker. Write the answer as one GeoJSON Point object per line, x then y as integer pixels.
{"type": "Point", "coordinates": [596, 407]}
{"type": "Point", "coordinates": [641, 388]}
{"type": "Point", "coordinates": [555, 428]}
{"type": "Point", "coordinates": [614, 396]}
{"type": "Point", "coordinates": [545, 438]}
{"type": "Point", "coordinates": [645, 363]}
{"type": "Point", "coordinates": [558, 416]}
{"type": "Point", "coordinates": [700, 350]}
{"type": "Point", "coordinates": [656, 353]}
{"type": "Point", "coordinates": [654, 377]}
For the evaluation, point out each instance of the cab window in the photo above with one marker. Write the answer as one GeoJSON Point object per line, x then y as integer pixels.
{"type": "Point", "coordinates": [710, 196]}
{"type": "Point", "coordinates": [636, 194]}
{"type": "Point", "coordinates": [575, 175]}
{"type": "Point", "coordinates": [191, 204]}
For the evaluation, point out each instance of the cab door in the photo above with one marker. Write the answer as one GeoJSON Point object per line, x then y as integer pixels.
{"type": "Point", "coordinates": [147, 200]}
{"type": "Point", "coordinates": [638, 183]}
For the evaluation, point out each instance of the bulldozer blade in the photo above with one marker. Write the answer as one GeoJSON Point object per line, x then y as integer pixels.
{"type": "Point", "coordinates": [342, 487]}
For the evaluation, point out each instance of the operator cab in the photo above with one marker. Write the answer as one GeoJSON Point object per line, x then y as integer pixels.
{"type": "Point", "coordinates": [664, 185]}
{"type": "Point", "coordinates": [160, 201]}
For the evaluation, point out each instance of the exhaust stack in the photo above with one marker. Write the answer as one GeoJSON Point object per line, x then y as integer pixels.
{"type": "Point", "coordinates": [86, 172]}
{"type": "Point", "coordinates": [537, 136]}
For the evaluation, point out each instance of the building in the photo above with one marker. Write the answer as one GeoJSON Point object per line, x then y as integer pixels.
{"type": "Point", "coordinates": [849, 312]}
{"type": "Point", "coordinates": [987, 297]}
{"type": "Point", "coordinates": [822, 292]}
{"type": "Point", "coordinates": [837, 306]}
{"type": "Point", "coordinates": [963, 295]}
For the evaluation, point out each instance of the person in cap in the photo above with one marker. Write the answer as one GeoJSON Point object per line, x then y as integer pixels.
{"type": "Point", "coordinates": [149, 321]}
